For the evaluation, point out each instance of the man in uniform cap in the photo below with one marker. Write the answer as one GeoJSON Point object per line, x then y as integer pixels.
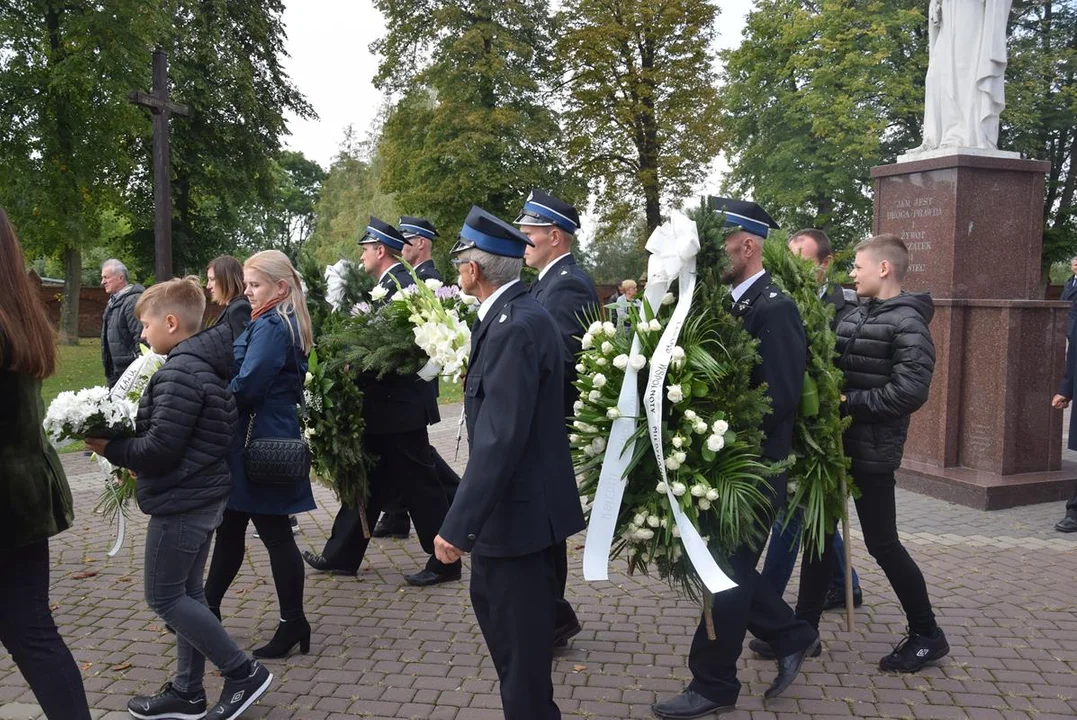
{"type": "Point", "coordinates": [396, 413]}
{"type": "Point", "coordinates": [771, 317]}
{"type": "Point", "coordinates": [394, 522]}
{"type": "Point", "coordinates": [568, 293]}
{"type": "Point", "coordinates": [517, 501]}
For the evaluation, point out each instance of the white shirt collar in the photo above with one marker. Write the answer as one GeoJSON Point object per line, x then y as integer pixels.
{"type": "Point", "coordinates": [823, 290]}
{"type": "Point", "coordinates": [743, 287]}
{"type": "Point", "coordinates": [489, 302]}
{"type": "Point", "coordinates": [387, 271]}
{"type": "Point", "coordinates": [549, 265]}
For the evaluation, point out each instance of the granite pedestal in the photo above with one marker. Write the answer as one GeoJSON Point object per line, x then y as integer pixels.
{"type": "Point", "coordinates": [987, 436]}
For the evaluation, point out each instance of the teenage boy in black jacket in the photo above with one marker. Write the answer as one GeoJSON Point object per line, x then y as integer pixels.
{"type": "Point", "coordinates": [887, 356]}
{"type": "Point", "coordinates": [180, 453]}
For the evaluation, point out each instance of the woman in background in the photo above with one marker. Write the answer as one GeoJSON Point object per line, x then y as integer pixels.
{"type": "Point", "coordinates": [224, 280]}
{"type": "Point", "coordinates": [35, 500]}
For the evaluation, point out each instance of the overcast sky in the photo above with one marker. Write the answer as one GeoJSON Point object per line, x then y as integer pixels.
{"type": "Point", "coordinates": [331, 64]}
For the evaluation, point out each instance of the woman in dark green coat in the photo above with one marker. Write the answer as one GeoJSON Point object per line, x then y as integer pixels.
{"type": "Point", "coordinates": [35, 501]}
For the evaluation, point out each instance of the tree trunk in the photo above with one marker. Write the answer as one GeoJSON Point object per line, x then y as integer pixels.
{"type": "Point", "coordinates": [69, 306]}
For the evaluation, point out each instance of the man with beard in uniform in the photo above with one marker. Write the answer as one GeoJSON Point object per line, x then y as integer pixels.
{"type": "Point", "coordinates": [771, 317]}
{"type": "Point", "coordinates": [567, 293]}
{"type": "Point", "coordinates": [396, 413]}
{"type": "Point", "coordinates": [518, 501]}
{"type": "Point", "coordinates": [394, 522]}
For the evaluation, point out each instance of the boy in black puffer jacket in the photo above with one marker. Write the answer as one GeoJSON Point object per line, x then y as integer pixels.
{"type": "Point", "coordinates": [184, 431]}
{"type": "Point", "coordinates": [887, 356]}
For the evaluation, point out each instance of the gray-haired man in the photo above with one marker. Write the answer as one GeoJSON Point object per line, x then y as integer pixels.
{"type": "Point", "coordinates": [120, 329]}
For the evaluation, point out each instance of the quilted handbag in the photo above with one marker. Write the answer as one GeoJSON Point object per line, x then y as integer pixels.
{"type": "Point", "coordinates": [275, 462]}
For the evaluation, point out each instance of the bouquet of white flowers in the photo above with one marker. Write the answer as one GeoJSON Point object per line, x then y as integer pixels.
{"type": "Point", "coordinates": [92, 412]}
{"type": "Point", "coordinates": [441, 316]}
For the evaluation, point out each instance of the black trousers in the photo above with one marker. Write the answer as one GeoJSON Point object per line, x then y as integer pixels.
{"type": "Point", "coordinates": [877, 509]}
{"type": "Point", "coordinates": [29, 633]}
{"type": "Point", "coordinates": [397, 504]}
{"type": "Point", "coordinates": [513, 600]}
{"type": "Point", "coordinates": [1071, 504]}
{"type": "Point", "coordinates": [286, 563]}
{"type": "Point", "coordinates": [564, 615]}
{"type": "Point", "coordinates": [754, 605]}
{"type": "Point", "coordinates": [405, 465]}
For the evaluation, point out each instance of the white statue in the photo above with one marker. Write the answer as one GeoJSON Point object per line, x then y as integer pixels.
{"type": "Point", "coordinates": [964, 88]}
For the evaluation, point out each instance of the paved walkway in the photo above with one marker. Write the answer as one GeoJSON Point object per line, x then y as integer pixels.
{"type": "Point", "coordinates": [1004, 585]}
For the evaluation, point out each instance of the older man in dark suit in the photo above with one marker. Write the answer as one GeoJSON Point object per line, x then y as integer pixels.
{"type": "Point", "coordinates": [568, 293]}
{"type": "Point", "coordinates": [771, 317]}
{"type": "Point", "coordinates": [396, 410]}
{"type": "Point", "coordinates": [517, 501]}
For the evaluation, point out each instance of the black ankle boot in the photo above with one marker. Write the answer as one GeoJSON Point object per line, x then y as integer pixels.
{"type": "Point", "coordinates": [287, 636]}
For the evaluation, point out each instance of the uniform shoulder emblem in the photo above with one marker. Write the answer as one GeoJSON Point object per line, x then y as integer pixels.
{"type": "Point", "coordinates": [503, 318]}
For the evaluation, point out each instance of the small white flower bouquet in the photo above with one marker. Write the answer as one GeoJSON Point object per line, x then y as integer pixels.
{"type": "Point", "coordinates": [441, 317]}
{"type": "Point", "coordinates": [92, 412]}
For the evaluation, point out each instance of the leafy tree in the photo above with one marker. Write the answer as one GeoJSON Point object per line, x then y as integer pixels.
{"type": "Point", "coordinates": [611, 258]}
{"type": "Point", "coordinates": [65, 71]}
{"type": "Point", "coordinates": [640, 104]}
{"type": "Point", "coordinates": [286, 221]}
{"type": "Point", "coordinates": [816, 94]}
{"type": "Point", "coordinates": [474, 124]}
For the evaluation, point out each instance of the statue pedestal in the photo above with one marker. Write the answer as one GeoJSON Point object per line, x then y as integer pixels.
{"type": "Point", "coordinates": [987, 436]}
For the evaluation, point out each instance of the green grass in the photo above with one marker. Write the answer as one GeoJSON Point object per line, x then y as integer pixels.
{"type": "Point", "coordinates": [450, 392]}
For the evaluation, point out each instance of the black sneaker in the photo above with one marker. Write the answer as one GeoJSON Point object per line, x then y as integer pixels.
{"type": "Point", "coordinates": [167, 704]}
{"type": "Point", "coordinates": [238, 695]}
{"type": "Point", "coordinates": [915, 651]}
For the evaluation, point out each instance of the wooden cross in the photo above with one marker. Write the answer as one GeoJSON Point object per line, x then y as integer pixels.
{"type": "Point", "coordinates": [159, 104]}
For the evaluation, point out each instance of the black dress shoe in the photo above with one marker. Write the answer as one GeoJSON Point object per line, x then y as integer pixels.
{"type": "Point", "coordinates": [764, 650]}
{"type": "Point", "coordinates": [393, 525]}
{"type": "Point", "coordinates": [835, 598]}
{"type": "Point", "coordinates": [425, 578]}
{"type": "Point", "coordinates": [788, 668]}
{"type": "Point", "coordinates": [1067, 524]}
{"type": "Point", "coordinates": [318, 562]}
{"type": "Point", "coordinates": [689, 704]}
{"type": "Point", "coordinates": [561, 635]}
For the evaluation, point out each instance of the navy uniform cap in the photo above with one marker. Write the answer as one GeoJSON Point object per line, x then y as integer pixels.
{"type": "Point", "coordinates": [544, 209]}
{"type": "Point", "coordinates": [417, 227]}
{"type": "Point", "coordinates": [379, 231]}
{"type": "Point", "coordinates": [745, 215]}
{"type": "Point", "coordinates": [486, 232]}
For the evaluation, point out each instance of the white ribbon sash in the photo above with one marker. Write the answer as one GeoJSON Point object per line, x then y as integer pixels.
{"type": "Point", "coordinates": [673, 248]}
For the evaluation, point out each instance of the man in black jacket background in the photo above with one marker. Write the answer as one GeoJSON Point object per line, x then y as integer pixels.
{"type": "Point", "coordinates": [120, 329]}
{"type": "Point", "coordinates": [396, 410]}
{"type": "Point", "coordinates": [771, 317]}
{"type": "Point", "coordinates": [887, 356]}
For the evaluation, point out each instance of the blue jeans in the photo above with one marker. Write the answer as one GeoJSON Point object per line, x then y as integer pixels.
{"type": "Point", "coordinates": [782, 556]}
{"type": "Point", "coordinates": [176, 551]}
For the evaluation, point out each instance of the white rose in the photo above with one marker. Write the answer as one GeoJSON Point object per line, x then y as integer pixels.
{"type": "Point", "coordinates": [715, 443]}
{"type": "Point", "coordinates": [378, 293]}
{"type": "Point", "coordinates": [704, 504]}
{"type": "Point", "coordinates": [607, 347]}
{"type": "Point", "coordinates": [680, 456]}
{"type": "Point", "coordinates": [588, 450]}
{"type": "Point", "coordinates": [639, 519]}
{"type": "Point", "coordinates": [678, 441]}
{"type": "Point", "coordinates": [678, 489]}
{"type": "Point", "coordinates": [698, 490]}
{"type": "Point", "coordinates": [468, 299]}
{"type": "Point", "coordinates": [712, 495]}
{"type": "Point", "coordinates": [598, 444]}
{"type": "Point", "coordinates": [587, 341]}
{"type": "Point", "coordinates": [577, 406]}
{"type": "Point", "coordinates": [613, 413]}
{"type": "Point", "coordinates": [672, 463]}
{"type": "Point", "coordinates": [700, 427]}
{"type": "Point", "coordinates": [609, 328]}
{"type": "Point", "coordinates": [579, 425]}
{"type": "Point", "coordinates": [655, 325]}
{"type": "Point", "coordinates": [667, 299]}
{"type": "Point", "coordinates": [721, 427]}
{"type": "Point", "coordinates": [594, 396]}
{"type": "Point", "coordinates": [645, 534]}
{"type": "Point", "coordinates": [637, 362]}
{"type": "Point", "coordinates": [595, 328]}
{"type": "Point", "coordinates": [674, 394]}
{"type": "Point", "coordinates": [677, 353]}
{"type": "Point", "coordinates": [601, 362]}
{"type": "Point", "coordinates": [661, 488]}
{"type": "Point", "coordinates": [573, 438]}
{"type": "Point", "coordinates": [580, 367]}
{"type": "Point", "coordinates": [620, 362]}
{"type": "Point", "coordinates": [599, 380]}
{"type": "Point", "coordinates": [434, 284]}
{"type": "Point", "coordinates": [676, 532]}
{"type": "Point", "coordinates": [690, 415]}
{"type": "Point", "coordinates": [653, 521]}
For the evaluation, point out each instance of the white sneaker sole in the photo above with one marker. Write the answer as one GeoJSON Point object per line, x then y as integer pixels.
{"type": "Point", "coordinates": [251, 700]}
{"type": "Point", "coordinates": [169, 716]}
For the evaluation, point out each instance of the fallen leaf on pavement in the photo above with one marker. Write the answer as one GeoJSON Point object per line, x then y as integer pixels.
{"type": "Point", "coordinates": [84, 574]}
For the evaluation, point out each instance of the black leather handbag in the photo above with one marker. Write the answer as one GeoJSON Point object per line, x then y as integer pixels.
{"type": "Point", "coordinates": [276, 462]}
